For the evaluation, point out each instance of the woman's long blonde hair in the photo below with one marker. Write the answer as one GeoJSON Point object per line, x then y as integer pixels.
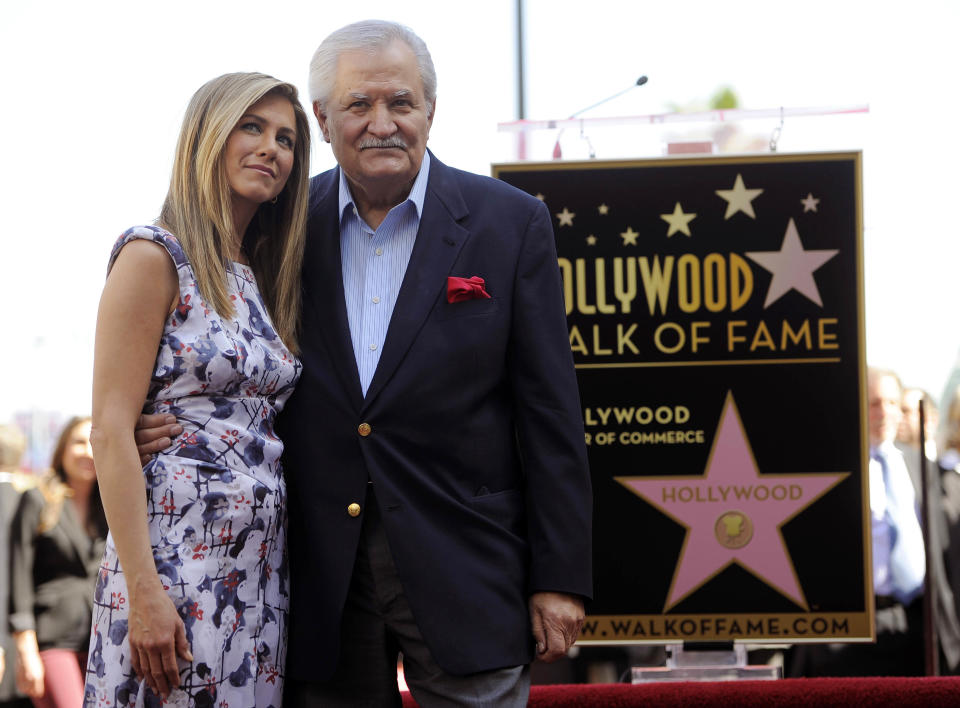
{"type": "Point", "coordinates": [198, 208]}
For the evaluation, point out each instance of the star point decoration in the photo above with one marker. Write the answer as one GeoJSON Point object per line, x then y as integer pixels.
{"type": "Point", "coordinates": [565, 217]}
{"type": "Point", "coordinates": [540, 196]}
{"type": "Point", "coordinates": [792, 267]}
{"type": "Point", "coordinates": [591, 240]}
{"type": "Point", "coordinates": [678, 220]}
{"type": "Point", "coordinates": [810, 203]}
{"type": "Point", "coordinates": [629, 236]}
{"type": "Point", "coordinates": [739, 198]}
{"type": "Point", "coordinates": [603, 209]}
{"type": "Point", "coordinates": [733, 513]}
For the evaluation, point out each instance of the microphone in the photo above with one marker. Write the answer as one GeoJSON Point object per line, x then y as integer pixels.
{"type": "Point", "coordinates": [557, 153]}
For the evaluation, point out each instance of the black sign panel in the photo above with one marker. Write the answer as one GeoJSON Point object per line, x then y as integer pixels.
{"type": "Point", "coordinates": [716, 321]}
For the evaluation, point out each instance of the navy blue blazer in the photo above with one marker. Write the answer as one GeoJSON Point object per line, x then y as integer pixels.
{"type": "Point", "coordinates": [475, 449]}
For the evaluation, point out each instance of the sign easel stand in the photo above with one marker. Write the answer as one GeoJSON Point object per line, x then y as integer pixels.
{"type": "Point", "coordinates": [705, 661]}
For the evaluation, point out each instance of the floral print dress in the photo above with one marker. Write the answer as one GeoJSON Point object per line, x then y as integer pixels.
{"type": "Point", "coordinates": [215, 502]}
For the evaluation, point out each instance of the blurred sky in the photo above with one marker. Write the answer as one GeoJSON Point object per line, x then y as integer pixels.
{"type": "Point", "coordinates": [96, 91]}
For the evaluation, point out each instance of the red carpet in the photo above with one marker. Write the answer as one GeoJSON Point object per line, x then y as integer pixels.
{"type": "Point", "coordinates": [879, 692]}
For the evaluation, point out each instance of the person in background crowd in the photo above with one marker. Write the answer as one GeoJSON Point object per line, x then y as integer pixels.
{"type": "Point", "coordinates": [943, 531]}
{"type": "Point", "coordinates": [898, 560]}
{"type": "Point", "coordinates": [908, 432]}
{"type": "Point", "coordinates": [56, 541]}
{"type": "Point", "coordinates": [13, 483]}
{"type": "Point", "coordinates": [950, 481]}
{"type": "Point", "coordinates": [950, 434]}
{"type": "Point", "coordinates": [12, 445]}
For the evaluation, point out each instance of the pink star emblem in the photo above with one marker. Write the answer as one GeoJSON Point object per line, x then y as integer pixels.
{"type": "Point", "coordinates": [732, 513]}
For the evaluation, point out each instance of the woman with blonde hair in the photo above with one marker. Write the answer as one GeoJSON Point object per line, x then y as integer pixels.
{"type": "Point", "coordinates": [198, 317]}
{"type": "Point", "coordinates": [56, 541]}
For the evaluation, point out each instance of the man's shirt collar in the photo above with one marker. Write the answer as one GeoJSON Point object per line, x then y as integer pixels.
{"type": "Point", "coordinates": [416, 196]}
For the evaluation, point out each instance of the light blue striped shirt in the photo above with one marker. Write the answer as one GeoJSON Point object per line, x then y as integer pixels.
{"type": "Point", "coordinates": [374, 263]}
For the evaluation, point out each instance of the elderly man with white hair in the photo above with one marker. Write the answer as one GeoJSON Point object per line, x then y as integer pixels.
{"type": "Point", "coordinates": [440, 500]}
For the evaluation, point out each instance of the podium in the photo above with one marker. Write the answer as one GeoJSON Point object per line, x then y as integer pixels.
{"type": "Point", "coordinates": [796, 129]}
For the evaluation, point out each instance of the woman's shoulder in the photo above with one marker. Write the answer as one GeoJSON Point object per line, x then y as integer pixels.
{"type": "Point", "coordinates": [156, 234]}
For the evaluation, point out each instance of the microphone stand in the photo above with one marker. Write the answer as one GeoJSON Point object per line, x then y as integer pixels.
{"type": "Point", "coordinates": [930, 654]}
{"type": "Point", "coordinates": [558, 153]}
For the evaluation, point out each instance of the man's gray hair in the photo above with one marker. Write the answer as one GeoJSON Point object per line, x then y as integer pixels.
{"type": "Point", "coordinates": [369, 36]}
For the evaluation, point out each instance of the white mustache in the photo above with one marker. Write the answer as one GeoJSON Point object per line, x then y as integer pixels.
{"type": "Point", "coordinates": [393, 142]}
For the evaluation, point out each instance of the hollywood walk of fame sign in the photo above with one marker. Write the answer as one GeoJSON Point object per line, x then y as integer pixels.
{"type": "Point", "coordinates": [716, 322]}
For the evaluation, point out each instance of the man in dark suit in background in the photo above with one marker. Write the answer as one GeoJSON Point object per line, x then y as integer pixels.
{"type": "Point", "coordinates": [942, 525]}
{"type": "Point", "coordinates": [439, 496]}
{"type": "Point", "coordinates": [898, 559]}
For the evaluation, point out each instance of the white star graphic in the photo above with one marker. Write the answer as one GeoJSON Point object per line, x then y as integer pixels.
{"type": "Point", "coordinates": [591, 240]}
{"type": "Point", "coordinates": [810, 203]}
{"type": "Point", "coordinates": [603, 209]}
{"type": "Point", "coordinates": [629, 236]}
{"type": "Point", "coordinates": [678, 221]}
{"type": "Point", "coordinates": [739, 199]}
{"type": "Point", "coordinates": [565, 217]}
{"type": "Point", "coordinates": [792, 267]}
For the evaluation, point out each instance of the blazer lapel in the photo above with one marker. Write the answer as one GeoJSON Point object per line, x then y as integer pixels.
{"type": "Point", "coordinates": [323, 280]}
{"type": "Point", "coordinates": [439, 240]}
{"type": "Point", "coordinates": [76, 535]}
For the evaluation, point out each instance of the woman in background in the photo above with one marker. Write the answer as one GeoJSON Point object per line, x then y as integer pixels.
{"type": "Point", "coordinates": [56, 540]}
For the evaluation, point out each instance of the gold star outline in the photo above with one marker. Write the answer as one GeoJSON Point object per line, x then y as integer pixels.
{"type": "Point", "coordinates": [739, 198]}
{"type": "Point", "coordinates": [565, 217]}
{"type": "Point", "coordinates": [629, 236]}
{"type": "Point", "coordinates": [679, 221]}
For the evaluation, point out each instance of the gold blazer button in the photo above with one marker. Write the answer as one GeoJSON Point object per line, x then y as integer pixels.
{"type": "Point", "coordinates": [354, 509]}
{"type": "Point", "coordinates": [364, 429]}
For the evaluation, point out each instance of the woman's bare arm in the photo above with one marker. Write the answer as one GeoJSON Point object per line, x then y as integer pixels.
{"type": "Point", "coordinates": [139, 294]}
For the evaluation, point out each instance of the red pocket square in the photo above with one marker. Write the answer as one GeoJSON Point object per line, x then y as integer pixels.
{"type": "Point", "coordinates": [461, 289]}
